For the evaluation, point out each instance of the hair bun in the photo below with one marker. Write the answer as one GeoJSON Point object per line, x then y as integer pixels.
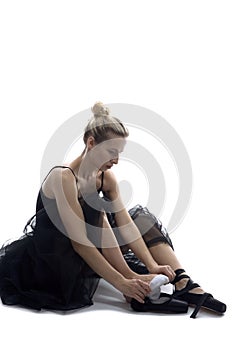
{"type": "Point", "coordinates": [100, 110]}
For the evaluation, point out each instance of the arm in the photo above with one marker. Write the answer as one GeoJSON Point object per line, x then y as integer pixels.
{"type": "Point", "coordinates": [65, 192]}
{"type": "Point", "coordinates": [127, 227]}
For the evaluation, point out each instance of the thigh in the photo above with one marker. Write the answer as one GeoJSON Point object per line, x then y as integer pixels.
{"type": "Point", "coordinates": [151, 228]}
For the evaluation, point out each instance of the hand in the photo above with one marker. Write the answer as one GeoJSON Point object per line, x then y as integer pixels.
{"type": "Point", "coordinates": [164, 270]}
{"type": "Point", "coordinates": [135, 288]}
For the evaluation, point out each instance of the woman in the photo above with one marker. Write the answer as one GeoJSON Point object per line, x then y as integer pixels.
{"type": "Point", "coordinates": [78, 237]}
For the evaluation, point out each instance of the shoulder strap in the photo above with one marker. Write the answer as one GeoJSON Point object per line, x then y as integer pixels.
{"type": "Point", "coordinates": [42, 210]}
{"type": "Point", "coordinates": [102, 181]}
{"type": "Point", "coordinates": [64, 166]}
{"type": "Point", "coordinates": [60, 166]}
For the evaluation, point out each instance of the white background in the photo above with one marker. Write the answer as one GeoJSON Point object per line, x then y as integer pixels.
{"type": "Point", "coordinates": [173, 57]}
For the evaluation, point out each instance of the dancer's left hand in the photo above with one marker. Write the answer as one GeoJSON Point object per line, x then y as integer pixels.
{"type": "Point", "coordinates": [164, 270]}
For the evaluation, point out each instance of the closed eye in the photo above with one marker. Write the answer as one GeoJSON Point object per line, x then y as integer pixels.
{"type": "Point", "coordinates": [114, 153]}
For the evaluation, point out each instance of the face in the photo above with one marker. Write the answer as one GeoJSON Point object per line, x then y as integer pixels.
{"type": "Point", "coordinates": [106, 154]}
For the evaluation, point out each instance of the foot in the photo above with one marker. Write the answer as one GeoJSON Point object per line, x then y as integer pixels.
{"type": "Point", "coordinates": [187, 290]}
{"type": "Point", "coordinates": [155, 286]}
{"type": "Point", "coordinates": [155, 281]}
{"type": "Point", "coordinates": [145, 278]}
{"type": "Point", "coordinates": [183, 283]}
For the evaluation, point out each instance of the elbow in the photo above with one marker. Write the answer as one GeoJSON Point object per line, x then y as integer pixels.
{"type": "Point", "coordinates": [77, 246]}
{"type": "Point", "coordinates": [80, 248]}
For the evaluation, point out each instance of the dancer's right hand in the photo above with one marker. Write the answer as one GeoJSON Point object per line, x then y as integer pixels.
{"type": "Point", "coordinates": [135, 288]}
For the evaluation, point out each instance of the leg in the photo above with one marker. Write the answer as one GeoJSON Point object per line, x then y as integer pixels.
{"type": "Point", "coordinates": [161, 248]}
{"type": "Point", "coordinates": [159, 243]}
{"type": "Point", "coordinates": [114, 255]}
{"type": "Point", "coordinates": [164, 254]}
{"type": "Point", "coordinates": [185, 288]}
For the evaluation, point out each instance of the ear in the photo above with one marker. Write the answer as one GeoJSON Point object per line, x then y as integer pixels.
{"type": "Point", "coordinates": [90, 143]}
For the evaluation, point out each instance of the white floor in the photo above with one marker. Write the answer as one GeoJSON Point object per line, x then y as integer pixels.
{"type": "Point", "coordinates": [111, 324]}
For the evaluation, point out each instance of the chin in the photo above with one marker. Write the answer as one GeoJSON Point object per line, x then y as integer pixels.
{"type": "Point", "coordinates": [105, 167]}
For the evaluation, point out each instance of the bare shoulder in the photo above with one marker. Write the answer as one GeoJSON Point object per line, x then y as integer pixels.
{"type": "Point", "coordinates": [110, 181]}
{"type": "Point", "coordinates": [60, 180]}
{"type": "Point", "coordinates": [64, 173]}
{"type": "Point", "coordinates": [65, 178]}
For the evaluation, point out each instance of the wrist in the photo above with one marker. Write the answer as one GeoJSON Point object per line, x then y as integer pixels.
{"type": "Point", "coordinates": [153, 268]}
{"type": "Point", "coordinates": [118, 281]}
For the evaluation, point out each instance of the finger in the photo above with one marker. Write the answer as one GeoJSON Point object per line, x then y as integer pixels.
{"type": "Point", "coordinates": [166, 272]}
{"type": "Point", "coordinates": [141, 292]}
{"type": "Point", "coordinates": [173, 276]}
{"type": "Point", "coordinates": [143, 283]}
{"type": "Point", "coordinates": [145, 287]}
{"type": "Point", "coordinates": [139, 298]}
{"type": "Point", "coordinates": [171, 269]}
{"type": "Point", "coordinates": [170, 273]}
{"type": "Point", "coordinates": [170, 276]}
{"type": "Point", "coordinates": [145, 292]}
{"type": "Point", "coordinates": [140, 289]}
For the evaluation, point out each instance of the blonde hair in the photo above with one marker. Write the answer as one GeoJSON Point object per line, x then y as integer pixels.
{"type": "Point", "coordinates": [102, 126]}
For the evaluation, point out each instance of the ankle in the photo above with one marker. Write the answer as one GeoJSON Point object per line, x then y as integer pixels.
{"type": "Point", "coordinates": [179, 271]}
{"type": "Point", "coordinates": [182, 283]}
{"type": "Point", "coordinates": [178, 282]}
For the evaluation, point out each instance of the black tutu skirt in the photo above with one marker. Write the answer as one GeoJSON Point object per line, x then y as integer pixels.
{"type": "Point", "coordinates": [41, 270]}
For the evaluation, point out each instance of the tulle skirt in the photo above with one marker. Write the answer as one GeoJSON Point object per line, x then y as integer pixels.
{"type": "Point", "coordinates": [41, 270]}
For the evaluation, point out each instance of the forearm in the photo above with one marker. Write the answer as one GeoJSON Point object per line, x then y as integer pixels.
{"type": "Point", "coordinates": [142, 252]}
{"type": "Point", "coordinates": [99, 264]}
{"type": "Point", "coordinates": [111, 250]}
{"type": "Point", "coordinates": [132, 237]}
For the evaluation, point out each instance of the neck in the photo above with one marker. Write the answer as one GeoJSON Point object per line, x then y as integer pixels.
{"type": "Point", "coordinates": [75, 164]}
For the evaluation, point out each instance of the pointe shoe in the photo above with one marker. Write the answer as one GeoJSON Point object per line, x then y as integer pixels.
{"type": "Point", "coordinates": [165, 304]}
{"type": "Point", "coordinates": [204, 300]}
